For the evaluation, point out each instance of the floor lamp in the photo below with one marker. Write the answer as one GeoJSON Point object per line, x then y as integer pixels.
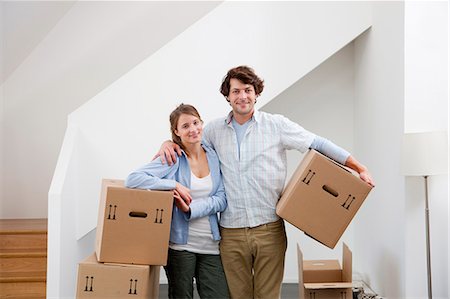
{"type": "Point", "coordinates": [425, 154]}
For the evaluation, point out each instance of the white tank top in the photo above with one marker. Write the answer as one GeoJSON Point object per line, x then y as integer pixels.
{"type": "Point", "coordinates": [200, 238]}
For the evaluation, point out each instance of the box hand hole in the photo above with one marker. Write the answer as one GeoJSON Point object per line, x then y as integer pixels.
{"type": "Point", "coordinates": [330, 190]}
{"type": "Point", "coordinates": [138, 214]}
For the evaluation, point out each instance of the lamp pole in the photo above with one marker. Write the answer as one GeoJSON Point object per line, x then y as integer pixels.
{"type": "Point", "coordinates": [425, 154]}
{"type": "Point", "coordinates": [427, 228]}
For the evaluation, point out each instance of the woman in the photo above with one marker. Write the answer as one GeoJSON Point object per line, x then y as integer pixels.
{"type": "Point", "coordinates": [198, 196]}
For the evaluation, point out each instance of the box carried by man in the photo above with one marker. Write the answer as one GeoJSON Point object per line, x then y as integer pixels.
{"type": "Point", "coordinates": [133, 225]}
{"type": "Point", "coordinates": [321, 198]}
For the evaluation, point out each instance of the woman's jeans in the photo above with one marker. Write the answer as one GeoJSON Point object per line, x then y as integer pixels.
{"type": "Point", "coordinates": [183, 266]}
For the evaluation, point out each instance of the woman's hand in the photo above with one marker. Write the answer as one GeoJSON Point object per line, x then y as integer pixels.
{"type": "Point", "coordinates": [184, 193]}
{"type": "Point", "coordinates": [182, 197]}
{"type": "Point", "coordinates": [180, 203]}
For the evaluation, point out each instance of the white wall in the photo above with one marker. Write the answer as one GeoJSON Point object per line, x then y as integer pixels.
{"type": "Point", "coordinates": [1, 103]}
{"type": "Point", "coordinates": [380, 224]}
{"type": "Point", "coordinates": [426, 109]}
{"type": "Point", "coordinates": [81, 51]}
{"type": "Point", "coordinates": [25, 25]}
{"type": "Point", "coordinates": [321, 102]}
{"type": "Point", "coordinates": [426, 65]}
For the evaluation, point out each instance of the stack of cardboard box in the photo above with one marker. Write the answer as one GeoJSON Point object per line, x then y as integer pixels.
{"type": "Point", "coordinates": [131, 244]}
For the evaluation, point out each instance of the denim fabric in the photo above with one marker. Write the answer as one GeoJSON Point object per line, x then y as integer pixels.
{"type": "Point", "coordinates": [183, 266]}
{"type": "Point", "coordinates": [158, 176]}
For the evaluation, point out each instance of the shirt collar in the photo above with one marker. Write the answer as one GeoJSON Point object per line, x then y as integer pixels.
{"type": "Point", "coordinates": [255, 117]}
{"type": "Point", "coordinates": [206, 148]}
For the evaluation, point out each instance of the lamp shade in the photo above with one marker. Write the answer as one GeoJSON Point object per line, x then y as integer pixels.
{"type": "Point", "coordinates": [425, 153]}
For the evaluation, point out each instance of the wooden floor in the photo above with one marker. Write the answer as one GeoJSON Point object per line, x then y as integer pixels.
{"type": "Point", "coordinates": [23, 258]}
{"type": "Point", "coordinates": [24, 226]}
{"type": "Point", "coordinates": [288, 291]}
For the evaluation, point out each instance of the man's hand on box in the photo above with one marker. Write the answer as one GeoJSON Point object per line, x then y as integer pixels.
{"type": "Point", "coordinates": [361, 169]}
{"type": "Point", "coordinates": [366, 177]}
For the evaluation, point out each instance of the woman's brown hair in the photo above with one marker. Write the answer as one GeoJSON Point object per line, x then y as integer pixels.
{"type": "Point", "coordinates": [244, 74]}
{"type": "Point", "coordinates": [175, 115]}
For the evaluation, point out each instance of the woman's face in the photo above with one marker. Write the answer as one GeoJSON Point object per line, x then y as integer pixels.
{"type": "Point", "coordinates": [189, 129]}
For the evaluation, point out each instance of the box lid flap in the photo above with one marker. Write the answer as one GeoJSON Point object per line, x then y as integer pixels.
{"type": "Point", "coordinates": [321, 265]}
{"type": "Point", "coordinates": [91, 259]}
{"type": "Point", "coordinates": [113, 182]}
{"type": "Point", "coordinates": [122, 265]}
{"type": "Point", "coordinates": [346, 263]}
{"type": "Point", "coordinates": [300, 271]}
{"type": "Point", "coordinates": [329, 285]}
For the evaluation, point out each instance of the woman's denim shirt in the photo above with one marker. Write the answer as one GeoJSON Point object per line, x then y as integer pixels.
{"type": "Point", "coordinates": [158, 176]}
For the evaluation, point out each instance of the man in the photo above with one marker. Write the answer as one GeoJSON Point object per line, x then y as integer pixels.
{"type": "Point", "coordinates": [252, 146]}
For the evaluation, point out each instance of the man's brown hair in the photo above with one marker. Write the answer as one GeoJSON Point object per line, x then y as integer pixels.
{"type": "Point", "coordinates": [244, 74]}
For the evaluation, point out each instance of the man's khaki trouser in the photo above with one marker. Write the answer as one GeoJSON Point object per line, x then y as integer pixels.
{"type": "Point", "coordinates": [253, 260]}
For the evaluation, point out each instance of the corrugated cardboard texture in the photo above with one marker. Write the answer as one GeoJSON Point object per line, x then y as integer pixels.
{"type": "Point", "coordinates": [97, 280]}
{"type": "Point", "coordinates": [346, 263]}
{"type": "Point", "coordinates": [325, 278]}
{"type": "Point", "coordinates": [133, 225]}
{"type": "Point", "coordinates": [322, 198]}
{"type": "Point", "coordinates": [301, 287]}
{"type": "Point", "coordinates": [322, 270]}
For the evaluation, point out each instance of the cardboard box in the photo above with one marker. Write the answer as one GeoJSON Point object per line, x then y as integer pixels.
{"type": "Point", "coordinates": [133, 225]}
{"type": "Point", "coordinates": [98, 280]}
{"type": "Point", "coordinates": [321, 198]}
{"type": "Point", "coordinates": [325, 279]}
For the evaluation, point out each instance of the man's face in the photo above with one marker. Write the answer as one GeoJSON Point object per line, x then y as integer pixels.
{"type": "Point", "coordinates": [242, 97]}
